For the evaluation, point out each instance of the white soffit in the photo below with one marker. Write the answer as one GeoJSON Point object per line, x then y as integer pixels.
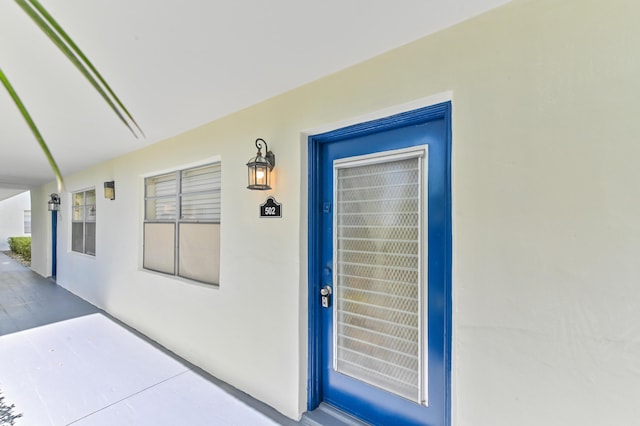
{"type": "Point", "coordinates": [178, 64]}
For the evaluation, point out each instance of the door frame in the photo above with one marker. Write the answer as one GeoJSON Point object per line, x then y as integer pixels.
{"type": "Point", "coordinates": [54, 244]}
{"type": "Point", "coordinates": [315, 141]}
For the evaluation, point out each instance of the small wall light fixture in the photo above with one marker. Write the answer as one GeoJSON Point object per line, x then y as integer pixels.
{"type": "Point", "coordinates": [260, 167]}
{"type": "Point", "coordinates": [53, 205]}
{"type": "Point", "coordinates": [110, 190]}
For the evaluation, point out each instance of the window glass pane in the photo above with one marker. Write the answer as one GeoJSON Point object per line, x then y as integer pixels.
{"type": "Point", "coordinates": [90, 197]}
{"type": "Point", "coordinates": [161, 208]}
{"type": "Point", "coordinates": [201, 179]}
{"type": "Point", "coordinates": [161, 185]}
{"type": "Point", "coordinates": [78, 199]}
{"type": "Point", "coordinates": [159, 247]}
{"type": "Point", "coordinates": [77, 213]}
{"type": "Point", "coordinates": [199, 256]}
{"type": "Point", "coordinates": [201, 194]}
{"type": "Point", "coordinates": [201, 207]}
{"type": "Point", "coordinates": [90, 213]}
{"type": "Point", "coordinates": [27, 221]}
{"type": "Point", "coordinates": [77, 231]}
{"type": "Point", "coordinates": [90, 238]}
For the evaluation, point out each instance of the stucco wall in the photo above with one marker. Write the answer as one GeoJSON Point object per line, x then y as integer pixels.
{"type": "Point", "coordinates": [41, 230]}
{"type": "Point", "coordinates": [545, 217]}
{"type": "Point", "coordinates": [12, 217]}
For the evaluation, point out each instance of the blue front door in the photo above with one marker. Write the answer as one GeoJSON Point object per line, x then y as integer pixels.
{"type": "Point", "coordinates": [382, 272]}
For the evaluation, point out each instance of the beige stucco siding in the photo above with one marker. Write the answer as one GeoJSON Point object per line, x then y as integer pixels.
{"type": "Point", "coordinates": [546, 234]}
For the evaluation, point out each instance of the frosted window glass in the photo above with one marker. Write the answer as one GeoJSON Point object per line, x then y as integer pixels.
{"type": "Point", "coordinates": [199, 252]}
{"type": "Point", "coordinates": [159, 247]}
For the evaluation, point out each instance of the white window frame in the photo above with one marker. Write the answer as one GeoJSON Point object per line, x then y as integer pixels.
{"type": "Point", "coordinates": [85, 220]}
{"type": "Point", "coordinates": [27, 221]}
{"type": "Point", "coordinates": [178, 217]}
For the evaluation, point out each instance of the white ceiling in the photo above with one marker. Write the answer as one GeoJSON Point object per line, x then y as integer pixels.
{"type": "Point", "coordinates": [177, 64]}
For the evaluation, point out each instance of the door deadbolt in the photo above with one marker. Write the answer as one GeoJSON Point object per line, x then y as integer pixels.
{"type": "Point", "coordinates": [325, 295]}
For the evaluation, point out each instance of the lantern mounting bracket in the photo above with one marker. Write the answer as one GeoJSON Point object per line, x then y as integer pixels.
{"type": "Point", "coordinates": [270, 157]}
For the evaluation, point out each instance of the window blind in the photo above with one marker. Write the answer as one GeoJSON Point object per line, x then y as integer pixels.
{"type": "Point", "coordinates": [201, 194]}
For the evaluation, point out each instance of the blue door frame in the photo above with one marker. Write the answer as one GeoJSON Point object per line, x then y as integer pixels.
{"type": "Point", "coordinates": [316, 142]}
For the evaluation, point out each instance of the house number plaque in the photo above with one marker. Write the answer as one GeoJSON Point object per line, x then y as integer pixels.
{"type": "Point", "coordinates": [271, 208]}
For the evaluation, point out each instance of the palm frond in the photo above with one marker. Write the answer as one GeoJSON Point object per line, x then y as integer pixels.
{"type": "Point", "coordinates": [61, 39]}
{"type": "Point", "coordinates": [34, 129]}
{"type": "Point", "coordinates": [66, 45]}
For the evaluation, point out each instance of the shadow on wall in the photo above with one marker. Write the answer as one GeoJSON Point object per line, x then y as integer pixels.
{"type": "Point", "coordinates": [7, 416]}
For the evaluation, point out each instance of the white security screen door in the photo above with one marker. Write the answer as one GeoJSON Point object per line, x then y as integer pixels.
{"type": "Point", "coordinates": [380, 305]}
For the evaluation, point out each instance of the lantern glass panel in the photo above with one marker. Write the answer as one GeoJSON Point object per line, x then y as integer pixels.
{"type": "Point", "coordinates": [262, 175]}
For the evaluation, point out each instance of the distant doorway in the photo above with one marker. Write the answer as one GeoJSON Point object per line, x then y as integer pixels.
{"type": "Point", "coordinates": [54, 244]}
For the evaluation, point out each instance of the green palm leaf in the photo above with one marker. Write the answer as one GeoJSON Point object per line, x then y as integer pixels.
{"type": "Point", "coordinates": [61, 39]}
{"type": "Point", "coordinates": [33, 127]}
{"type": "Point", "coordinates": [66, 45]}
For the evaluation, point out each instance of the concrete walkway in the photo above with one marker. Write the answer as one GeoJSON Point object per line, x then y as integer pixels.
{"type": "Point", "coordinates": [28, 300]}
{"type": "Point", "coordinates": [65, 362]}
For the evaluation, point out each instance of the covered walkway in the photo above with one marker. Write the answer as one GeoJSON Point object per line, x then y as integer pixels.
{"type": "Point", "coordinates": [65, 362]}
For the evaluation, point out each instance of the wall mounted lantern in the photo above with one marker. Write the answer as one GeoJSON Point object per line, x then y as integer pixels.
{"type": "Point", "coordinates": [110, 190]}
{"type": "Point", "coordinates": [260, 167]}
{"type": "Point", "coordinates": [54, 203]}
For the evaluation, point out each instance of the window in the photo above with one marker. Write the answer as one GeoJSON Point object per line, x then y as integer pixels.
{"type": "Point", "coordinates": [182, 223]}
{"type": "Point", "coordinates": [27, 221]}
{"type": "Point", "coordinates": [83, 222]}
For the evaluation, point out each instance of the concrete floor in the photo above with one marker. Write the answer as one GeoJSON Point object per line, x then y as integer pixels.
{"type": "Point", "coordinates": [65, 362]}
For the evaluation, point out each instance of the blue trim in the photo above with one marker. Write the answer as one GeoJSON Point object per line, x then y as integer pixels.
{"type": "Point", "coordinates": [315, 143]}
{"type": "Point", "coordinates": [54, 243]}
{"type": "Point", "coordinates": [403, 119]}
{"type": "Point", "coordinates": [314, 382]}
{"type": "Point", "coordinates": [448, 271]}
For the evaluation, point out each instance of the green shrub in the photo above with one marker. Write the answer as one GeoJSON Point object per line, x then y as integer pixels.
{"type": "Point", "coordinates": [21, 246]}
